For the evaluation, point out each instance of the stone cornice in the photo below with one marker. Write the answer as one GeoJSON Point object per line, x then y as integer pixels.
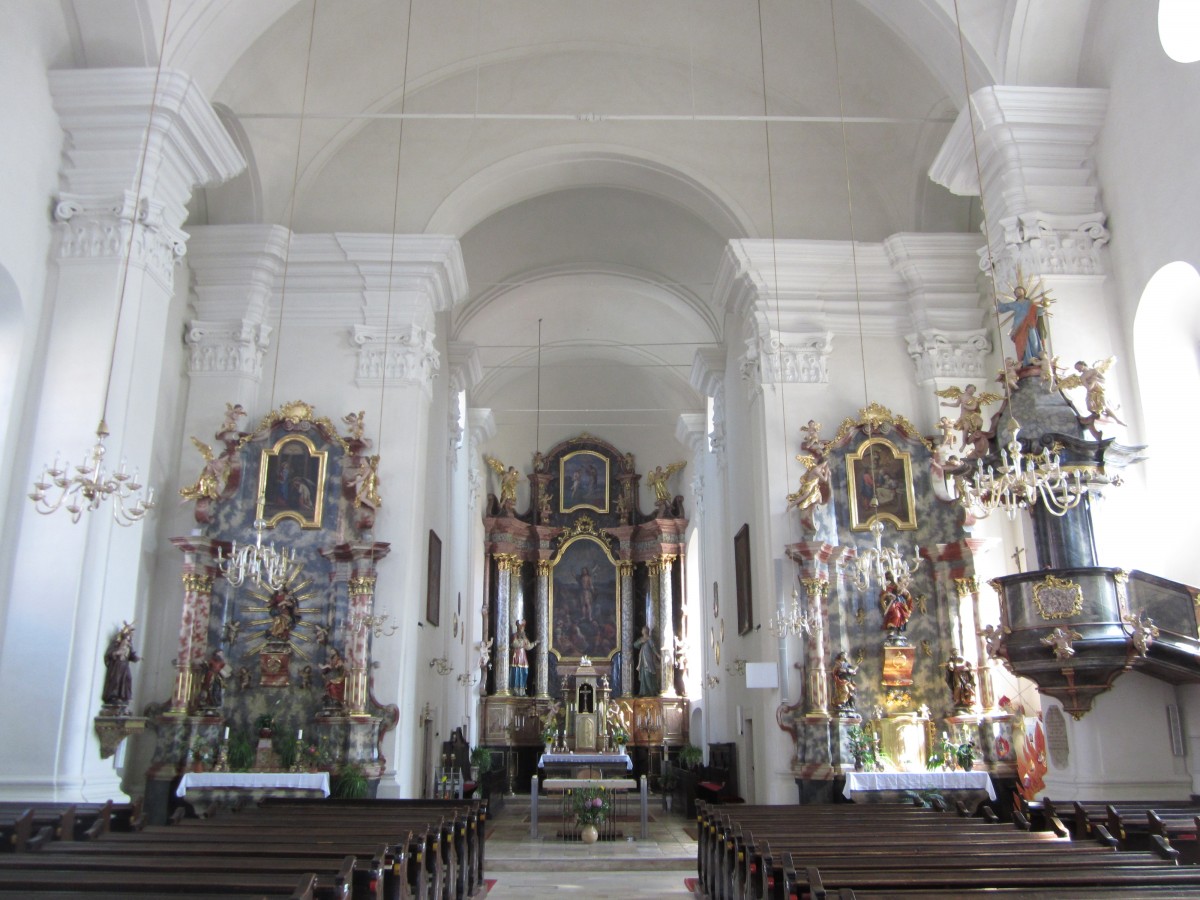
{"type": "Point", "coordinates": [235, 269]}
{"type": "Point", "coordinates": [941, 275]}
{"type": "Point", "coordinates": [708, 371]}
{"type": "Point", "coordinates": [464, 364]}
{"type": "Point", "coordinates": [1034, 150]}
{"type": "Point", "coordinates": [691, 431]}
{"type": "Point", "coordinates": [104, 114]}
{"type": "Point", "coordinates": [482, 426]}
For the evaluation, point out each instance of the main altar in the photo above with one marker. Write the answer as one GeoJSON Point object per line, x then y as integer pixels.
{"type": "Point", "coordinates": [583, 611]}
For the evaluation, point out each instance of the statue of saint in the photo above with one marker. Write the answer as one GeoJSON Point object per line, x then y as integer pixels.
{"type": "Point", "coordinates": [118, 679]}
{"type": "Point", "coordinates": [844, 688]}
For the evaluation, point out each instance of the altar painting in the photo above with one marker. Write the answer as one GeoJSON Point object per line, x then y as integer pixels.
{"type": "Point", "coordinates": [291, 482]}
{"type": "Point", "coordinates": [583, 481]}
{"type": "Point", "coordinates": [585, 614]}
{"type": "Point", "coordinates": [881, 486]}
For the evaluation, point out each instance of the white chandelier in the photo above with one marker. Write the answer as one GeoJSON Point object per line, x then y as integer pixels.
{"type": "Point", "coordinates": [876, 562]}
{"type": "Point", "coordinates": [793, 622]}
{"type": "Point", "coordinates": [91, 485]}
{"type": "Point", "coordinates": [1023, 479]}
{"type": "Point", "coordinates": [265, 565]}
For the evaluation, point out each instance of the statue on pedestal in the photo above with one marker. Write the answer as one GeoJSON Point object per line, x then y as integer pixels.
{"type": "Point", "coordinates": [960, 678]}
{"type": "Point", "coordinates": [844, 688]}
{"type": "Point", "coordinates": [897, 605]}
{"type": "Point", "coordinates": [118, 679]}
{"type": "Point", "coordinates": [647, 664]}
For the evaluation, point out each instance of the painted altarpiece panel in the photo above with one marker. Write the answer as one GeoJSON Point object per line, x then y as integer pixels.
{"type": "Point", "coordinates": [585, 608]}
{"type": "Point", "coordinates": [583, 478]}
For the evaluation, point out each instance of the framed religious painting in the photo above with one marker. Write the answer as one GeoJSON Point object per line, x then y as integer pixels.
{"type": "Point", "coordinates": [741, 577]}
{"type": "Point", "coordinates": [433, 581]}
{"type": "Point", "coordinates": [585, 612]}
{"type": "Point", "coordinates": [583, 479]}
{"type": "Point", "coordinates": [291, 482]}
{"type": "Point", "coordinates": [879, 479]}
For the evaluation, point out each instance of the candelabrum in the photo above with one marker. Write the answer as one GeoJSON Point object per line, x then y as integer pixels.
{"type": "Point", "coordinates": [442, 665]}
{"type": "Point", "coordinates": [876, 562]}
{"type": "Point", "coordinates": [793, 622]}
{"type": "Point", "coordinates": [265, 565]}
{"type": "Point", "coordinates": [91, 485]}
{"type": "Point", "coordinates": [1022, 479]}
{"type": "Point", "coordinates": [379, 626]}
{"type": "Point", "coordinates": [468, 679]}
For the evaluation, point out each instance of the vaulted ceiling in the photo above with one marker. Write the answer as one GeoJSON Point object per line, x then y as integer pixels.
{"type": "Point", "coordinates": [593, 156]}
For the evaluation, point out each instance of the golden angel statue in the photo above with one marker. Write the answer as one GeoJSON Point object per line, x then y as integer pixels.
{"type": "Point", "coordinates": [509, 479]}
{"type": "Point", "coordinates": [658, 480]}
{"type": "Point", "coordinates": [1092, 378]}
{"type": "Point", "coordinates": [970, 417]}
{"type": "Point", "coordinates": [356, 421]}
{"type": "Point", "coordinates": [212, 478]}
{"type": "Point", "coordinates": [366, 485]}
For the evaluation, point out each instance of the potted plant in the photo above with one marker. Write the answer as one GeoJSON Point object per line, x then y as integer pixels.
{"type": "Point", "coordinates": [592, 807]}
{"type": "Point", "coordinates": [350, 782]}
{"type": "Point", "coordinates": [241, 753]}
{"type": "Point", "coordinates": [862, 748]}
{"type": "Point", "coordinates": [690, 756]}
{"type": "Point", "coordinates": [286, 747]}
{"type": "Point", "coordinates": [265, 725]}
{"type": "Point", "coordinates": [549, 734]}
{"type": "Point", "coordinates": [481, 761]}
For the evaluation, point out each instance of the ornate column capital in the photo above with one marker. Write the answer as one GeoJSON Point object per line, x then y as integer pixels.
{"type": "Point", "coordinates": [624, 567]}
{"type": "Point", "coordinates": [507, 562]}
{"type": "Point", "coordinates": [545, 567]}
{"type": "Point", "coordinates": [227, 348]}
{"type": "Point", "coordinates": [946, 354]}
{"type": "Point", "coordinates": [362, 584]}
{"type": "Point", "coordinates": [815, 588]}
{"type": "Point", "coordinates": [196, 583]}
{"type": "Point", "coordinates": [965, 587]}
{"type": "Point", "coordinates": [396, 356]}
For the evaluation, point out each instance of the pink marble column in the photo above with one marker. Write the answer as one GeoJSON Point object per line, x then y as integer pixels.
{"type": "Point", "coordinates": [812, 558]}
{"type": "Point", "coordinates": [358, 566]}
{"type": "Point", "coordinates": [199, 571]}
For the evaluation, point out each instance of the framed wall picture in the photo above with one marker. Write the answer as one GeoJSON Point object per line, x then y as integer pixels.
{"type": "Point", "coordinates": [741, 575]}
{"type": "Point", "coordinates": [879, 479]}
{"type": "Point", "coordinates": [583, 478]}
{"type": "Point", "coordinates": [291, 482]}
{"type": "Point", "coordinates": [433, 590]}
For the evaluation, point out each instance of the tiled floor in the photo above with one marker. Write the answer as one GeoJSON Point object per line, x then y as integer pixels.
{"type": "Point", "coordinates": [632, 869]}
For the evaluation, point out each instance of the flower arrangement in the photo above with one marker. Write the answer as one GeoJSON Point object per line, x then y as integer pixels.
{"type": "Point", "coordinates": [620, 737]}
{"type": "Point", "coordinates": [549, 731]}
{"type": "Point", "coordinates": [311, 756]}
{"type": "Point", "coordinates": [200, 751]}
{"type": "Point", "coordinates": [862, 748]}
{"type": "Point", "coordinates": [592, 805]}
{"type": "Point", "coordinates": [947, 754]}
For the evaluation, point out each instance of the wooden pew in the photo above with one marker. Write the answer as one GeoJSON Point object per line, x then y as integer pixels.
{"type": "Point", "coordinates": [36, 884]}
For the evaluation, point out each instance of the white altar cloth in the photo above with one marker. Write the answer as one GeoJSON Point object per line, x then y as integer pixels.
{"type": "Point", "coordinates": [859, 782]}
{"type": "Point", "coordinates": [254, 781]}
{"type": "Point", "coordinates": [585, 759]}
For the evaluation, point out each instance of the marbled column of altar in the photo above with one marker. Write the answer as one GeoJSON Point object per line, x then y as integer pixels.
{"type": "Point", "coordinates": [625, 571]}
{"type": "Point", "coordinates": [504, 564]}
{"type": "Point", "coordinates": [816, 685]}
{"type": "Point", "coordinates": [666, 643]}
{"type": "Point", "coordinates": [199, 571]}
{"type": "Point", "coordinates": [357, 564]}
{"type": "Point", "coordinates": [541, 677]}
{"type": "Point", "coordinates": [953, 566]}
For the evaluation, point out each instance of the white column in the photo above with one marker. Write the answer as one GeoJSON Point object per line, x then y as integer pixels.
{"type": "Point", "coordinates": [89, 578]}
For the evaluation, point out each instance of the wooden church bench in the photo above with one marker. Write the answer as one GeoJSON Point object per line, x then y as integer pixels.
{"type": "Point", "coordinates": [34, 883]}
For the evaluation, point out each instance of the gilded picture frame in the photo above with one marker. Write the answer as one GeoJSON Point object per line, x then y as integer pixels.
{"type": "Point", "coordinates": [880, 483]}
{"type": "Point", "coordinates": [583, 481]}
{"type": "Point", "coordinates": [585, 601]}
{"type": "Point", "coordinates": [291, 482]}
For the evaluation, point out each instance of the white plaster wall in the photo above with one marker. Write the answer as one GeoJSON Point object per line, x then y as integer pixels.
{"type": "Point", "coordinates": [33, 38]}
{"type": "Point", "coordinates": [1122, 748]}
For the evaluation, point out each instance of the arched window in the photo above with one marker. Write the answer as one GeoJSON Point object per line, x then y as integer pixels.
{"type": "Point", "coordinates": [1179, 29]}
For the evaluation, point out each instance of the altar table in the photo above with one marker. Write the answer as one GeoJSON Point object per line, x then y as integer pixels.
{"type": "Point", "coordinates": [209, 789]}
{"type": "Point", "coordinates": [972, 784]}
{"type": "Point", "coordinates": [581, 765]}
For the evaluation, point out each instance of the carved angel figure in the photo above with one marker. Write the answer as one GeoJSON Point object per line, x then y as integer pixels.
{"type": "Point", "coordinates": [658, 480]}
{"type": "Point", "coordinates": [1092, 378]}
{"type": "Point", "coordinates": [810, 438]}
{"type": "Point", "coordinates": [1060, 639]}
{"type": "Point", "coordinates": [233, 412]}
{"type": "Point", "coordinates": [366, 485]}
{"type": "Point", "coordinates": [814, 484]}
{"type": "Point", "coordinates": [509, 479]}
{"type": "Point", "coordinates": [1144, 631]}
{"type": "Point", "coordinates": [213, 476]}
{"type": "Point", "coordinates": [992, 636]}
{"type": "Point", "coordinates": [355, 421]}
{"type": "Point", "coordinates": [969, 403]}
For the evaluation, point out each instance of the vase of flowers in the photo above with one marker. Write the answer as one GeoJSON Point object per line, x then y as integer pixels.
{"type": "Point", "coordinates": [592, 807]}
{"type": "Point", "coordinates": [620, 737]}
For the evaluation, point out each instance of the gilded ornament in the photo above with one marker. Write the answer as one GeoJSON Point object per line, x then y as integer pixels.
{"type": "Point", "coordinates": [362, 584]}
{"type": "Point", "coordinates": [1058, 598]}
{"type": "Point", "coordinates": [965, 587]}
{"type": "Point", "coordinates": [196, 583]}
